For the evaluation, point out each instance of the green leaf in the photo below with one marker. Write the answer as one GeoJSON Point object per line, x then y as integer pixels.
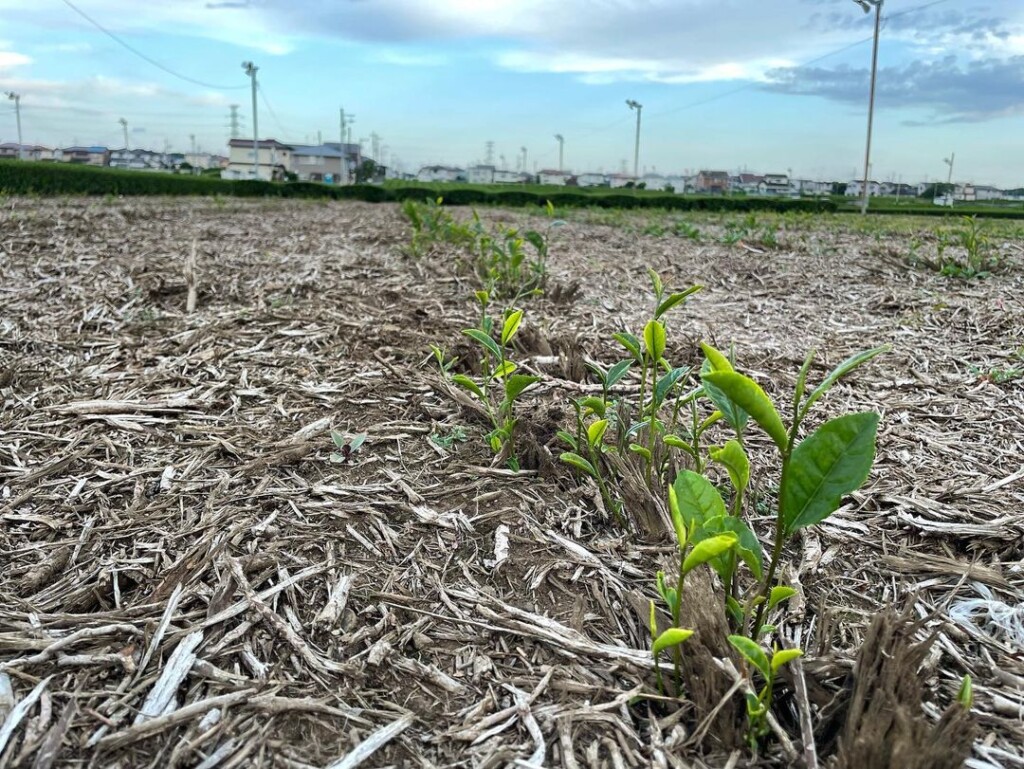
{"type": "Point", "coordinates": [833, 461]}
{"type": "Point", "coordinates": [483, 298]}
{"type": "Point", "coordinates": [568, 438]}
{"type": "Point", "coordinates": [600, 373]}
{"type": "Point", "coordinates": [504, 370]}
{"type": "Point", "coordinates": [704, 551]}
{"type": "Point", "coordinates": [594, 405]}
{"type": "Point", "coordinates": [641, 450]}
{"type": "Point", "coordinates": [654, 340]}
{"type": "Point", "coordinates": [667, 382]}
{"type": "Point", "coordinates": [616, 372]}
{"type": "Point", "coordinates": [734, 415]}
{"type": "Point", "coordinates": [716, 360]}
{"type": "Point", "coordinates": [671, 637]}
{"type": "Point", "coordinates": [753, 654]}
{"type": "Point", "coordinates": [579, 463]}
{"type": "Point", "coordinates": [734, 459]}
{"type": "Point", "coordinates": [801, 384]}
{"type": "Point", "coordinates": [356, 442]}
{"type": "Point", "coordinates": [966, 694]}
{"type": "Point", "coordinates": [489, 344]}
{"type": "Point", "coordinates": [711, 419]}
{"type": "Point", "coordinates": [675, 299]}
{"type": "Point", "coordinates": [516, 383]}
{"type": "Point", "coordinates": [748, 546]}
{"type": "Point", "coordinates": [779, 594]}
{"type": "Point", "coordinates": [656, 284]}
{"type": "Point", "coordinates": [696, 498]}
{"type": "Point", "coordinates": [630, 342]}
{"type": "Point", "coordinates": [536, 240]}
{"type": "Point", "coordinates": [748, 395]}
{"type": "Point", "coordinates": [466, 383]}
{"type": "Point", "coordinates": [842, 370]}
{"type": "Point", "coordinates": [596, 431]}
{"type": "Point", "coordinates": [782, 656]}
{"type": "Point", "coordinates": [676, 442]}
{"type": "Point", "coordinates": [511, 326]}
{"type": "Point", "coordinates": [338, 438]}
{"type": "Point", "coordinates": [735, 610]}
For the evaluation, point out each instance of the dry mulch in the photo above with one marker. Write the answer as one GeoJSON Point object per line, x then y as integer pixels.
{"type": "Point", "coordinates": [186, 579]}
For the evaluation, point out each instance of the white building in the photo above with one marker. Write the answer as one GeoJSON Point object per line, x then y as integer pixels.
{"type": "Point", "coordinates": [440, 174]}
{"type": "Point", "coordinates": [774, 184]}
{"type": "Point", "coordinates": [592, 180]}
{"type": "Point", "coordinates": [503, 176]}
{"type": "Point", "coordinates": [618, 181]}
{"type": "Point", "coordinates": [855, 189]}
{"type": "Point", "coordinates": [655, 182]}
{"type": "Point", "coordinates": [678, 183]}
{"type": "Point", "coordinates": [556, 178]}
{"type": "Point", "coordinates": [481, 174]}
{"type": "Point", "coordinates": [272, 161]}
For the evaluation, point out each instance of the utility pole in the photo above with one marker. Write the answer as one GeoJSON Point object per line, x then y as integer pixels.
{"type": "Point", "coordinates": [866, 7]}
{"type": "Point", "coordinates": [16, 98]}
{"type": "Point", "coordinates": [525, 167]}
{"type": "Point", "coordinates": [234, 121]}
{"type": "Point", "coordinates": [634, 104]}
{"type": "Point", "coordinates": [192, 139]}
{"type": "Point", "coordinates": [346, 125]}
{"type": "Point", "coordinates": [251, 70]}
{"type": "Point", "coordinates": [561, 151]}
{"type": "Point", "coordinates": [375, 146]}
{"type": "Point", "coordinates": [489, 154]}
{"type": "Point", "coordinates": [124, 128]}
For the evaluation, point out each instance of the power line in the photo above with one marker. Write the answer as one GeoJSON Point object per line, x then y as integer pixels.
{"type": "Point", "coordinates": [266, 103]}
{"type": "Point", "coordinates": [143, 56]}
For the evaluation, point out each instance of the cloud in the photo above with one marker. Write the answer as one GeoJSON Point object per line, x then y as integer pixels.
{"type": "Point", "coordinates": [955, 92]}
{"type": "Point", "coordinates": [10, 60]}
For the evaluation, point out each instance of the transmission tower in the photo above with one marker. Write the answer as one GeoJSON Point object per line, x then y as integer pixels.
{"type": "Point", "coordinates": [234, 121]}
{"type": "Point", "coordinates": [489, 154]}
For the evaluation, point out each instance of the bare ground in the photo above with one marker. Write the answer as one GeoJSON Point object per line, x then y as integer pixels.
{"type": "Point", "coordinates": [187, 580]}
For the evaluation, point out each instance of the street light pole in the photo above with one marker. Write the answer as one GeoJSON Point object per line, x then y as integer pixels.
{"type": "Point", "coordinates": [16, 98]}
{"type": "Point", "coordinates": [866, 7]}
{"type": "Point", "coordinates": [633, 104]}
{"type": "Point", "coordinates": [561, 151]}
{"type": "Point", "coordinates": [251, 70]}
{"type": "Point", "coordinates": [949, 180]}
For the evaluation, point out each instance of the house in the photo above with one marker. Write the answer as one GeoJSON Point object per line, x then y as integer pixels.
{"type": "Point", "coordinates": [556, 178]}
{"type": "Point", "coordinates": [440, 174]}
{"type": "Point", "coordinates": [985, 192]}
{"type": "Point", "coordinates": [678, 183]}
{"type": "Point", "coordinates": [713, 182]}
{"type": "Point", "coordinates": [333, 162]}
{"type": "Point", "coordinates": [271, 162]}
{"type": "Point", "coordinates": [746, 183]}
{"type": "Point", "coordinates": [138, 160]}
{"type": "Point", "coordinates": [618, 181]}
{"type": "Point", "coordinates": [89, 156]}
{"type": "Point", "coordinates": [774, 184]}
{"type": "Point", "coordinates": [855, 189]}
{"type": "Point", "coordinates": [654, 181]}
{"type": "Point", "coordinates": [502, 176]}
{"type": "Point", "coordinates": [592, 180]}
{"type": "Point", "coordinates": [481, 174]}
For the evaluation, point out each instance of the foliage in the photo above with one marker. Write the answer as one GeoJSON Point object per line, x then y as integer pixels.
{"type": "Point", "coordinates": [499, 386]}
{"type": "Point", "coordinates": [972, 257]}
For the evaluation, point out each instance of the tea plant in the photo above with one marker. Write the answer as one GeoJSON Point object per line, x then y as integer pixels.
{"type": "Point", "coordinates": [759, 704]}
{"type": "Point", "coordinates": [686, 230]}
{"type": "Point", "coordinates": [432, 224]}
{"type": "Point", "coordinates": [499, 386]}
{"type": "Point", "coordinates": [974, 258]}
{"type": "Point", "coordinates": [347, 446]}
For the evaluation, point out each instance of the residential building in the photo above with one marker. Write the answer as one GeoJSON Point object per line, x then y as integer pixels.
{"type": "Point", "coordinates": [89, 156]}
{"type": "Point", "coordinates": [653, 181]}
{"type": "Point", "coordinates": [746, 183]}
{"type": "Point", "coordinates": [679, 183]}
{"type": "Point", "coordinates": [618, 181]}
{"type": "Point", "coordinates": [553, 177]}
{"type": "Point", "coordinates": [331, 163]}
{"type": "Point", "coordinates": [502, 176]}
{"type": "Point", "coordinates": [985, 192]}
{"type": "Point", "coordinates": [481, 174]}
{"type": "Point", "coordinates": [774, 184]}
{"type": "Point", "coordinates": [138, 160]}
{"type": "Point", "coordinates": [713, 182]}
{"type": "Point", "coordinates": [273, 160]}
{"type": "Point", "coordinates": [855, 188]}
{"type": "Point", "coordinates": [591, 180]}
{"type": "Point", "coordinates": [440, 174]}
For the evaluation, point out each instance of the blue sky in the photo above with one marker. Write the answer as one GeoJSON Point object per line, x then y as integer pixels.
{"type": "Point", "coordinates": [769, 86]}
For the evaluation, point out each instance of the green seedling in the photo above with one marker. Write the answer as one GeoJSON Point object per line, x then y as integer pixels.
{"type": "Point", "coordinates": [499, 387]}
{"type": "Point", "coordinates": [347, 446]}
{"type": "Point", "coordinates": [457, 434]}
{"type": "Point", "coordinates": [686, 230]}
{"type": "Point", "coordinates": [759, 704]}
{"type": "Point", "coordinates": [817, 471]}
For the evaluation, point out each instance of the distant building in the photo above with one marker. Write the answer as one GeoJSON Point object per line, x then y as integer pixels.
{"type": "Point", "coordinates": [679, 183]}
{"type": "Point", "coordinates": [618, 181]}
{"type": "Point", "coordinates": [272, 161]}
{"type": "Point", "coordinates": [553, 177]}
{"type": "Point", "coordinates": [591, 180]}
{"type": "Point", "coordinates": [713, 182]}
{"type": "Point", "coordinates": [332, 163]}
{"type": "Point", "coordinates": [774, 184]}
{"type": "Point", "coordinates": [855, 189]}
{"type": "Point", "coordinates": [654, 181]}
{"type": "Point", "coordinates": [89, 156]}
{"type": "Point", "coordinates": [746, 183]}
{"type": "Point", "coordinates": [481, 174]}
{"type": "Point", "coordinates": [502, 176]}
{"type": "Point", "coordinates": [139, 160]}
{"type": "Point", "coordinates": [440, 174]}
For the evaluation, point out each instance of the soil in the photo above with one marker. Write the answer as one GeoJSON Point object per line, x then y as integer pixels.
{"type": "Point", "coordinates": [188, 579]}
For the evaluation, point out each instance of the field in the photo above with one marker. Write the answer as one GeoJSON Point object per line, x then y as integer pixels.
{"type": "Point", "coordinates": [187, 578]}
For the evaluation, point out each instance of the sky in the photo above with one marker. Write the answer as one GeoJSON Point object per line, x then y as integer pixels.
{"type": "Point", "coordinates": [776, 86]}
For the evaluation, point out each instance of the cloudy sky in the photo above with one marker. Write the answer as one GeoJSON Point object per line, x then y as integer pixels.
{"type": "Point", "coordinates": [767, 85]}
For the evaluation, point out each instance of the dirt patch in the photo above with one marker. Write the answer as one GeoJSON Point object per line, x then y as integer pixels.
{"type": "Point", "coordinates": [169, 513]}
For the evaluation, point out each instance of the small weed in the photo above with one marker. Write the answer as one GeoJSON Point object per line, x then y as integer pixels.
{"type": "Point", "coordinates": [456, 434]}
{"type": "Point", "coordinates": [972, 258]}
{"type": "Point", "coordinates": [686, 230]}
{"type": "Point", "coordinates": [347, 446]}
